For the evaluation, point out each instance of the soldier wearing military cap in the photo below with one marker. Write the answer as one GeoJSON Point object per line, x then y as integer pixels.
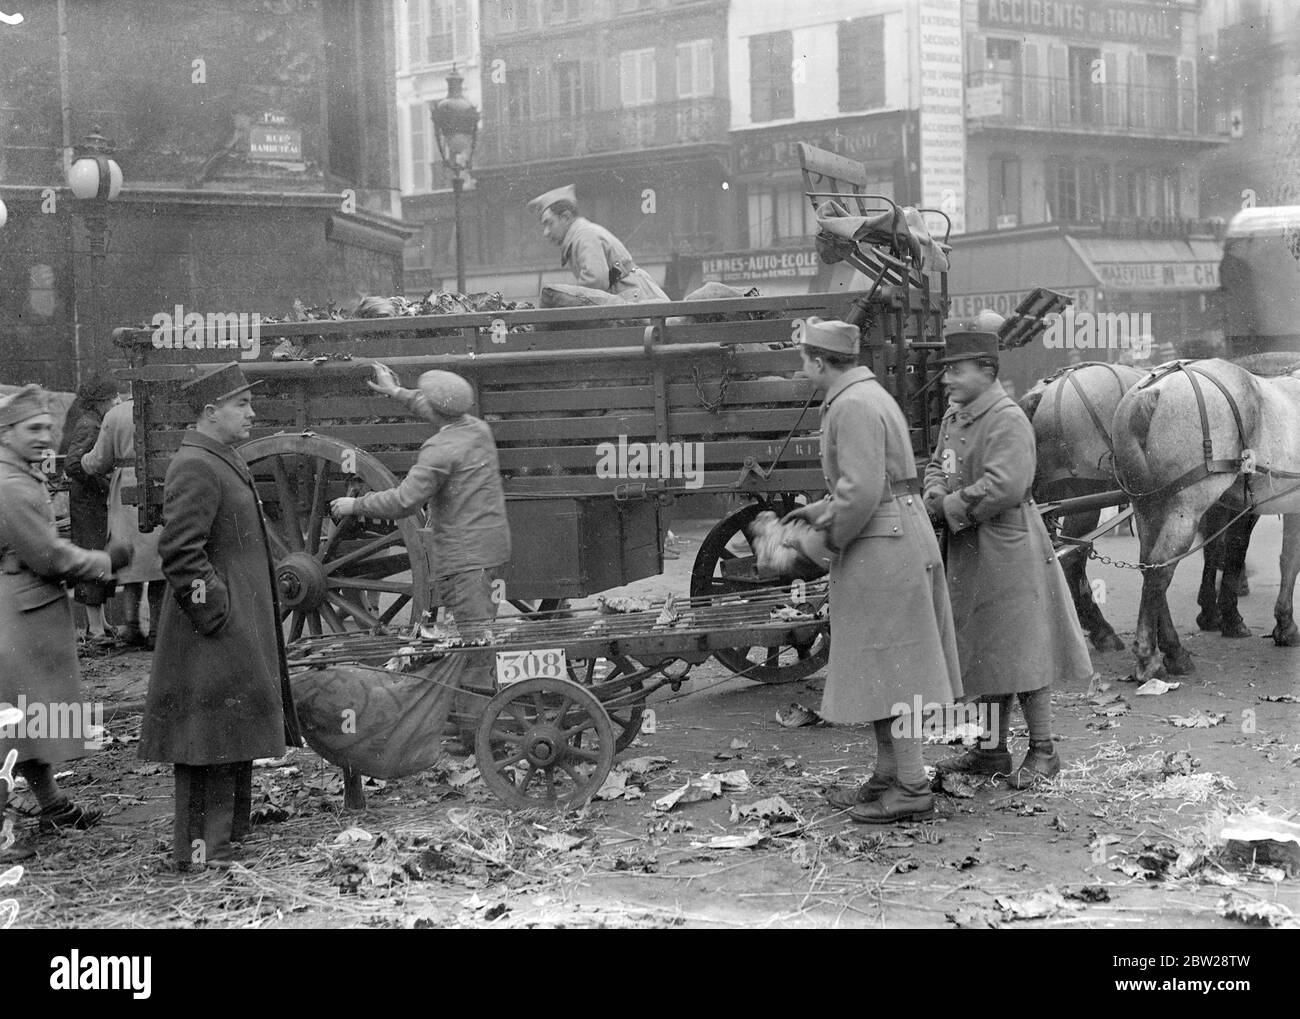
{"type": "Point", "coordinates": [1016, 629]}
{"type": "Point", "coordinates": [38, 644]}
{"type": "Point", "coordinates": [595, 256]}
{"type": "Point", "coordinates": [219, 688]}
{"type": "Point", "coordinates": [458, 476]}
{"type": "Point", "coordinates": [894, 646]}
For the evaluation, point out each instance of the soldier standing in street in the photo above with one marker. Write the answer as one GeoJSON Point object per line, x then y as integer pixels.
{"type": "Point", "coordinates": [1017, 631]}
{"type": "Point", "coordinates": [219, 689]}
{"type": "Point", "coordinates": [595, 256]}
{"type": "Point", "coordinates": [457, 474]}
{"type": "Point", "coordinates": [894, 645]}
{"type": "Point", "coordinates": [38, 643]}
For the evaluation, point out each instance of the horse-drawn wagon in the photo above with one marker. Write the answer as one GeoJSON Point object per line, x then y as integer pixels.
{"type": "Point", "coordinates": [602, 416]}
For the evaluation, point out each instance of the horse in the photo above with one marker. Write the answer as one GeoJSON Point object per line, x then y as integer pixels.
{"type": "Point", "coordinates": [1071, 411]}
{"type": "Point", "coordinates": [1248, 457]}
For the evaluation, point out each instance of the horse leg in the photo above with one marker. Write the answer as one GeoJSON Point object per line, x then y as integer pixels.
{"type": "Point", "coordinates": [1207, 596]}
{"type": "Point", "coordinates": [1235, 544]}
{"type": "Point", "coordinates": [1285, 633]}
{"type": "Point", "coordinates": [1162, 539]}
{"type": "Point", "coordinates": [1100, 632]}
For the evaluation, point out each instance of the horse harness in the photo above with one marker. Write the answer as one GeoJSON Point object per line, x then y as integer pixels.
{"type": "Point", "coordinates": [1244, 464]}
{"type": "Point", "coordinates": [1068, 372]}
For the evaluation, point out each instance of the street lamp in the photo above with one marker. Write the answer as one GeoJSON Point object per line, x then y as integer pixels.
{"type": "Point", "coordinates": [95, 180]}
{"type": "Point", "coordinates": [455, 128]}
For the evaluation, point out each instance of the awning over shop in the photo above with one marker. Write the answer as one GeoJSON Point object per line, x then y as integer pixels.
{"type": "Point", "coordinates": [1129, 263]}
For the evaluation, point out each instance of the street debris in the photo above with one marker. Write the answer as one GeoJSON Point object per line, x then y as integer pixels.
{"type": "Point", "coordinates": [1154, 688]}
{"type": "Point", "coordinates": [1045, 903]}
{"type": "Point", "coordinates": [1256, 913]}
{"type": "Point", "coordinates": [796, 716]}
{"type": "Point", "coordinates": [1197, 720]}
{"type": "Point", "coordinates": [773, 808]}
{"type": "Point", "coordinates": [1260, 839]}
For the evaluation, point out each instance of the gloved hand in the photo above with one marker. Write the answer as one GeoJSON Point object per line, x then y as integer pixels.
{"type": "Point", "coordinates": [119, 553]}
{"type": "Point", "coordinates": [933, 500]}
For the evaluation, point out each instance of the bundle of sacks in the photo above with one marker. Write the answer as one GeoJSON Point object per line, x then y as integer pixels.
{"type": "Point", "coordinates": [795, 550]}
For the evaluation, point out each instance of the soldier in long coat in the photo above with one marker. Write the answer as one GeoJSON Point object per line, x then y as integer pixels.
{"type": "Point", "coordinates": [219, 689]}
{"type": "Point", "coordinates": [113, 456]}
{"type": "Point", "coordinates": [893, 647]}
{"type": "Point", "coordinates": [38, 644]}
{"type": "Point", "coordinates": [595, 256]}
{"type": "Point", "coordinates": [1016, 630]}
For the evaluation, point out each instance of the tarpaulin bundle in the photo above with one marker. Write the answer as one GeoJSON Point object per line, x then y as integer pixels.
{"type": "Point", "coordinates": [887, 228]}
{"type": "Point", "coordinates": [379, 722]}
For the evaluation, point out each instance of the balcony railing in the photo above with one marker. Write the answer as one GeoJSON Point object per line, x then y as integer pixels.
{"type": "Point", "coordinates": [1078, 104]}
{"type": "Point", "coordinates": [629, 129]}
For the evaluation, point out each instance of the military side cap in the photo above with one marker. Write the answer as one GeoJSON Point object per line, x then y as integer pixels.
{"type": "Point", "coordinates": [212, 383]}
{"type": "Point", "coordinates": [448, 393]}
{"type": "Point", "coordinates": [543, 202]}
{"type": "Point", "coordinates": [969, 338]}
{"type": "Point", "coordinates": [830, 336]}
{"type": "Point", "coordinates": [25, 403]}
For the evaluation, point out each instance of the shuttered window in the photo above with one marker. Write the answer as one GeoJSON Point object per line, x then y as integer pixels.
{"type": "Point", "coordinates": [861, 63]}
{"type": "Point", "coordinates": [771, 90]}
{"type": "Point", "coordinates": [695, 69]}
{"type": "Point", "coordinates": [636, 77]}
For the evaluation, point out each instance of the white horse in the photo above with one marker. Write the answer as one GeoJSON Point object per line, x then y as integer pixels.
{"type": "Point", "coordinates": [1185, 437]}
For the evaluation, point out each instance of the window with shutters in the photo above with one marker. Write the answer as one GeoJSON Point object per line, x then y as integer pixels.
{"type": "Point", "coordinates": [861, 63]}
{"type": "Point", "coordinates": [759, 219]}
{"type": "Point", "coordinates": [636, 77]}
{"type": "Point", "coordinates": [519, 96]}
{"type": "Point", "coordinates": [418, 149]}
{"type": "Point", "coordinates": [1004, 192]}
{"type": "Point", "coordinates": [1076, 192]}
{"type": "Point", "coordinates": [449, 31]}
{"type": "Point", "coordinates": [514, 15]}
{"type": "Point", "coordinates": [1086, 96]}
{"type": "Point", "coordinates": [695, 69]}
{"type": "Point", "coordinates": [1002, 65]}
{"type": "Point", "coordinates": [1162, 93]}
{"type": "Point", "coordinates": [559, 11]}
{"type": "Point", "coordinates": [575, 88]}
{"type": "Point", "coordinates": [771, 90]}
{"type": "Point", "coordinates": [416, 34]}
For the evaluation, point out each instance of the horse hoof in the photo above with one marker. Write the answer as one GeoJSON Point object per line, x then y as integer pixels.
{"type": "Point", "coordinates": [1107, 642]}
{"type": "Point", "coordinates": [1179, 664]}
{"type": "Point", "coordinates": [1286, 636]}
{"type": "Point", "coordinates": [1208, 621]}
{"type": "Point", "coordinates": [1234, 628]}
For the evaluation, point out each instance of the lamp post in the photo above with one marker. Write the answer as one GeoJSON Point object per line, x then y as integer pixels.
{"type": "Point", "coordinates": [95, 180]}
{"type": "Point", "coordinates": [455, 128]}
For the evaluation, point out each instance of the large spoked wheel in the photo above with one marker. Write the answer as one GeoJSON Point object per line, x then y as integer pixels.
{"type": "Point", "coordinates": [720, 570]}
{"type": "Point", "coordinates": [544, 743]}
{"type": "Point", "coordinates": [626, 720]}
{"type": "Point", "coordinates": [335, 578]}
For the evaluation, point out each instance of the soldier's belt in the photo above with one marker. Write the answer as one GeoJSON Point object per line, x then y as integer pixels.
{"type": "Point", "coordinates": [905, 486]}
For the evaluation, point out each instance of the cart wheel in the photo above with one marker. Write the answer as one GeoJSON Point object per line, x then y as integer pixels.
{"type": "Point", "coordinates": [544, 743]}
{"type": "Point", "coordinates": [626, 720]}
{"type": "Point", "coordinates": [784, 664]}
{"type": "Point", "coordinates": [335, 578]}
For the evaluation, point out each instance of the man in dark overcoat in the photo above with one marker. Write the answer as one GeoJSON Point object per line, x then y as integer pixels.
{"type": "Point", "coordinates": [1017, 631]}
{"type": "Point", "coordinates": [219, 689]}
{"type": "Point", "coordinates": [38, 644]}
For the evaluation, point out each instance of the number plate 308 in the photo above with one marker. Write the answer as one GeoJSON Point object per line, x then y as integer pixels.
{"type": "Point", "coordinates": [514, 666]}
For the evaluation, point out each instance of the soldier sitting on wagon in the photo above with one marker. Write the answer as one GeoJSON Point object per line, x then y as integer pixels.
{"type": "Point", "coordinates": [458, 475]}
{"type": "Point", "coordinates": [596, 257]}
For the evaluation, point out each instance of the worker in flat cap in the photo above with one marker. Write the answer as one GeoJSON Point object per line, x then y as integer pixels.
{"type": "Point", "coordinates": [894, 645]}
{"type": "Point", "coordinates": [595, 256]}
{"type": "Point", "coordinates": [39, 674]}
{"type": "Point", "coordinates": [458, 477]}
{"type": "Point", "coordinates": [1017, 631]}
{"type": "Point", "coordinates": [219, 688]}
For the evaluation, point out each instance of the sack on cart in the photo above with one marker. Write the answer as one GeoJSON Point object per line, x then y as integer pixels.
{"type": "Point", "coordinates": [381, 723]}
